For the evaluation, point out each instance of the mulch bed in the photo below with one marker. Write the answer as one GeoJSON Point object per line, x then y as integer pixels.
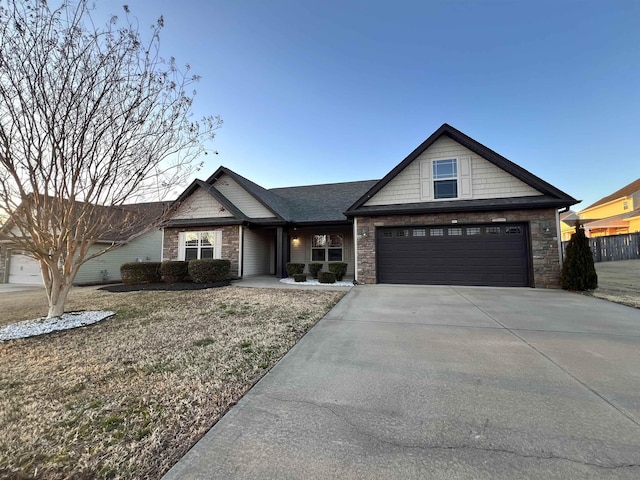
{"type": "Point", "coordinates": [173, 287]}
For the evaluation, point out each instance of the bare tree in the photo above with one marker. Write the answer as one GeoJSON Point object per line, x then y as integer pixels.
{"type": "Point", "coordinates": [90, 119]}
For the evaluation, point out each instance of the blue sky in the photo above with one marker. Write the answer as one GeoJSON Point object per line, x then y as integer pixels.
{"type": "Point", "coordinates": [316, 92]}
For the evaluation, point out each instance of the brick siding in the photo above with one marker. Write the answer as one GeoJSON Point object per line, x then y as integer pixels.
{"type": "Point", "coordinates": [542, 227]}
{"type": "Point", "coordinates": [230, 243]}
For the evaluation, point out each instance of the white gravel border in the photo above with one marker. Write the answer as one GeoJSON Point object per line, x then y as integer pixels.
{"type": "Point", "coordinates": [41, 326]}
{"type": "Point", "coordinates": [313, 282]}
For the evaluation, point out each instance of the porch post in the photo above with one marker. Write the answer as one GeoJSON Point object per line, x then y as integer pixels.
{"type": "Point", "coordinates": [280, 259]}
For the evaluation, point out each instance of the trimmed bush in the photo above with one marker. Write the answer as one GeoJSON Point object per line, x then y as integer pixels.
{"type": "Point", "coordinates": [175, 271]}
{"type": "Point", "coordinates": [339, 268]}
{"type": "Point", "coordinates": [300, 277]}
{"type": "Point", "coordinates": [209, 270]}
{"type": "Point", "coordinates": [578, 269]}
{"type": "Point", "coordinates": [294, 268]}
{"type": "Point", "coordinates": [326, 277]}
{"type": "Point", "coordinates": [140, 272]}
{"type": "Point", "coordinates": [314, 268]}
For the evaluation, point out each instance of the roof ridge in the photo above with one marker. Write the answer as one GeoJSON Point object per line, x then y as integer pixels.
{"type": "Point", "coordinates": [625, 191]}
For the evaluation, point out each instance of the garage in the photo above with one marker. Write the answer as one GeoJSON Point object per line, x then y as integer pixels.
{"type": "Point", "coordinates": [487, 254]}
{"type": "Point", "coordinates": [24, 270]}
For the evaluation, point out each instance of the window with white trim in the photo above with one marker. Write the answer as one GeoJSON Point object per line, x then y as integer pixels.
{"type": "Point", "coordinates": [199, 245]}
{"type": "Point", "coordinates": [327, 248]}
{"type": "Point", "coordinates": [445, 178]}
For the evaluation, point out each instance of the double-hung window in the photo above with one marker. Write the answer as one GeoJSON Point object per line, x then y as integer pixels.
{"type": "Point", "coordinates": [327, 248]}
{"type": "Point", "coordinates": [445, 178]}
{"type": "Point", "coordinates": [199, 245]}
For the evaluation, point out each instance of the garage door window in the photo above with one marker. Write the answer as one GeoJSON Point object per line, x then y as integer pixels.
{"type": "Point", "coordinates": [445, 178]}
{"type": "Point", "coordinates": [327, 248]}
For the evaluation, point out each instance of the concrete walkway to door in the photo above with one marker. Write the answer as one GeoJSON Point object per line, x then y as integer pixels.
{"type": "Point", "coordinates": [442, 383]}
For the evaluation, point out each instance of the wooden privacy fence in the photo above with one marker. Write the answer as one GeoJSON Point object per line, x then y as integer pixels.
{"type": "Point", "coordinates": [613, 247]}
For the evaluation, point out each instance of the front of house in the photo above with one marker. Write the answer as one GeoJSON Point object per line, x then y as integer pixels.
{"type": "Point", "coordinates": [452, 213]}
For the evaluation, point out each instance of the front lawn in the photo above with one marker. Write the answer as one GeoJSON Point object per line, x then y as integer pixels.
{"type": "Point", "coordinates": [127, 397]}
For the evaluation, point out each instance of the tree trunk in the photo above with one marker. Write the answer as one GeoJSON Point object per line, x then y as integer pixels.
{"type": "Point", "coordinates": [56, 309]}
{"type": "Point", "coordinates": [57, 299]}
{"type": "Point", "coordinates": [57, 288]}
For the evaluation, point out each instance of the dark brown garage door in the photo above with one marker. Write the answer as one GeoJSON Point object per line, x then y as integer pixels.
{"type": "Point", "coordinates": [492, 255]}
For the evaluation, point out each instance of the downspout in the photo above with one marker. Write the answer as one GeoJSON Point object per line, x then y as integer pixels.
{"type": "Point", "coordinates": [240, 250]}
{"type": "Point", "coordinates": [559, 238]}
{"type": "Point", "coordinates": [162, 246]}
{"type": "Point", "coordinates": [355, 249]}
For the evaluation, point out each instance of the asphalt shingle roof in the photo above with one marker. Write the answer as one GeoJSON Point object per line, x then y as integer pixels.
{"type": "Point", "coordinates": [321, 203]}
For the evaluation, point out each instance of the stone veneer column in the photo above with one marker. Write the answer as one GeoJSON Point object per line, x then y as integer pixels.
{"type": "Point", "coordinates": [542, 229]}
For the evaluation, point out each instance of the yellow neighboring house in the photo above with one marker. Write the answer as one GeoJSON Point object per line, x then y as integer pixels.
{"type": "Point", "coordinates": [615, 214]}
{"type": "Point", "coordinates": [568, 224]}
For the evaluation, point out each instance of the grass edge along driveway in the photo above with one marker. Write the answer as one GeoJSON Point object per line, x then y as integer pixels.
{"type": "Point", "coordinates": [127, 397]}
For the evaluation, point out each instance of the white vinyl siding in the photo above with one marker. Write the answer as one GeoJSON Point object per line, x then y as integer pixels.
{"type": "Point", "coordinates": [146, 247]}
{"type": "Point", "coordinates": [201, 205]}
{"type": "Point", "coordinates": [480, 179]}
{"type": "Point", "coordinates": [256, 250]}
{"type": "Point", "coordinates": [243, 200]}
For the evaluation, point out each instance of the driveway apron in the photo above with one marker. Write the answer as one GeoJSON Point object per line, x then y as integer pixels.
{"type": "Point", "coordinates": [442, 383]}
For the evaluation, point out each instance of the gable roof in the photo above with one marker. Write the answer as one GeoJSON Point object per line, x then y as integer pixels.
{"type": "Point", "coordinates": [551, 196]}
{"type": "Point", "coordinates": [301, 205]}
{"type": "Point", "coordinates": [268, 199]}
{"type": "Point", "coordinates": [625, 191]}
{"type": "Point", "coordinates": [211, 191]}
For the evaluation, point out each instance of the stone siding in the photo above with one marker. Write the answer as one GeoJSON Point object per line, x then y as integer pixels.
{"type": "Point", "coordinates": [542, 227]}
{"type": "Point", "coordinates": [230, 243]}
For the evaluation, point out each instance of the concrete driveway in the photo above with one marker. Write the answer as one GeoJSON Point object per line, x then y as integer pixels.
{"type": "Point", "coordinates": [6, 288]}
{"type": "Point", "coordinates": [442, 383]}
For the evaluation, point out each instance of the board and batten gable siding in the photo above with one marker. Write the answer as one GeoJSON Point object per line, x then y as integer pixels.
{"type": "Point", "coordinates": [487, 180]}
{"type": "Point", "coordinates": [201, 205]}
{"type": "Point", "coordinates": [256, 253]}
{"type": "Point", "coordinates": [243, 200]}
{"type": "Point", "coordinates": [147, 246]}
{"type": "Point", "coordinates": [301, 253]}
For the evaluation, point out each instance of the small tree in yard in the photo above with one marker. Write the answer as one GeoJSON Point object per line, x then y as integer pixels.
{"type": "Point", "coordinates": [578, 269]}
{"type": "Point", "coordinates": [90, 118]}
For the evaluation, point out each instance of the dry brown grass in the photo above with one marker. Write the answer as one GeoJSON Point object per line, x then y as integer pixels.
{"type": "Point", "coordinates": [127, 397]}
{"type": "Point", "coordinates": [619, 282]}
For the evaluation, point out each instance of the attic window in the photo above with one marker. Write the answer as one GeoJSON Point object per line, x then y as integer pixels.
{"type": "Point", "coordinates": [445, 178]}
{"type": "Point", "coordinates": [625, 205]}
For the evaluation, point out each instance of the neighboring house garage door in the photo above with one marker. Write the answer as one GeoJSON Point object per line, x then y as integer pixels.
{"type": "Point", "coordinates": [492, 255]}
{"type": "Point", "coordinates": [24, 269]}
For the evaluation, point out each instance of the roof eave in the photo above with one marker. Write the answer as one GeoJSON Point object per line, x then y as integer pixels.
{"type": "Point", "coordinates": [454, 208]}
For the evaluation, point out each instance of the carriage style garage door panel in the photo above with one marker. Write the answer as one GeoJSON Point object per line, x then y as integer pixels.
{"type": "Point", "coordinates": [492, 255]}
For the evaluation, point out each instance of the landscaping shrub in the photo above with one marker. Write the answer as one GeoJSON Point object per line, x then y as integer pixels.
{"type": "Point", "coordinates": [326, 277]}
{"type": "Point", "coordinates": [140, 272]}
{"type": "Point", "coordinates": [314, 268]}
{"type": "Point", "coordinates": [300, 277]}
{"type": "Point", "coordinates": [578, 268]}
{"type": "Point", "coordinates": [339, 268]}
{"type": "Point", "coordinates": [175, 272]}
{"type": "Point", "coordinates": [209, 270]}
{"type": "Point", "coordinates": [294, 268]}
